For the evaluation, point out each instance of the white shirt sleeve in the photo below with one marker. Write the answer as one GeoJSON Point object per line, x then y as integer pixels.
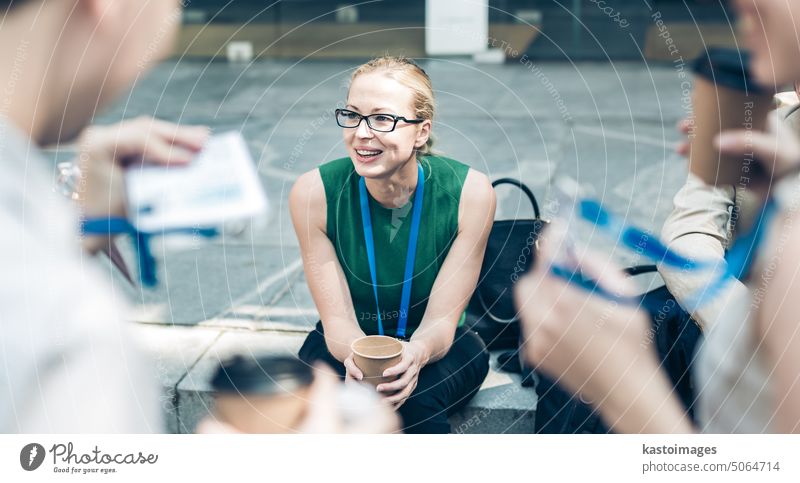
{"type": "Point", "coordinates": [67, 361]}
{"type": "Point", "coordinates": [698, 228]}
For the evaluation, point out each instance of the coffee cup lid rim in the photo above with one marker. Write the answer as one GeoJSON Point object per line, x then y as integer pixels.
{"type": "Point", "coordinates": [265, 376]}
{"type": "Point", "coordinates": [399, 351]}
{"type": "Point", "coordinates": [728, 68]}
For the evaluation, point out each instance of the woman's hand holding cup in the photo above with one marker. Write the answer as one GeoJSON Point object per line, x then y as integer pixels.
{"type": "Point", "coordinates": [371, 356]}
{"type": "Point", "coordinates": [351, 369]}
{"type": "Point", "coordinates": [408, 371]}
{"type": "Point", "coordinates": [389, 364]}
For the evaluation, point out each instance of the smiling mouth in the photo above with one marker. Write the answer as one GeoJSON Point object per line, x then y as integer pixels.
{"type": "Point", "coordinates": [368, 153]}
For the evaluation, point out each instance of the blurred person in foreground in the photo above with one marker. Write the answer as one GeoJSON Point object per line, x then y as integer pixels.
{"type": "Point", "coordinates": [66, 360]}
{"type": "Point", "coordinates": [705, 218]}
{"type": "Point", "coordinates": [598, 348]}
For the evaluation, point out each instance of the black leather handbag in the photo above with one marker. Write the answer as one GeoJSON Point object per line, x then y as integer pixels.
{"type": "Point", "coordinates": [510, 252]}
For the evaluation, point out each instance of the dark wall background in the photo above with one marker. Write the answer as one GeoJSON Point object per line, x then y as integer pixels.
{"type": "Point", "coordinates": [575, 29]}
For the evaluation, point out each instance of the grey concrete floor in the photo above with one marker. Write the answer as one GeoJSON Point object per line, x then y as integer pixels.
{"type": "Point", "coordinates": [609, 126]}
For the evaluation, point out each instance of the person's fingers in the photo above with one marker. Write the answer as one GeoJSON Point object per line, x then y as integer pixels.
{"type": "Point", "coordinates": [683, 149]}
{"type": "Point", "coordinates": [322, 415]}
{"type": "Point", "coordinates": [398, 396]}
{"type": "Point", "coordinates": [400, 383]}
{"type": "Point", "coordinates": [192, 138]}
{"type": "Point", "coordinates": [133, 143]}
{"type": "Point", "coordinates": [401, 366]}
{"type": "Point", "coordinates": [397, 400]}
{"type": "Point", "coordinates": [156, 151]}
{"type": "Point", "coordinates": [763, 147]}
{"type": "Point", "coordinates": [149, 140]}
{"type": "Point", "coordinates": [685, 126]}
{"type": "Point", "coordinates": [739, 141]}
{"type": "Point", "coordinates": [777, 151]}
{"type": "Point", "coordinates": [352, 370]}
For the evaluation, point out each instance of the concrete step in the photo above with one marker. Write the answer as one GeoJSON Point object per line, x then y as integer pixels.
{"type": "Point", "coordinates": [501, 406]}
{"type": "Point", "coordinates": [187, 356]}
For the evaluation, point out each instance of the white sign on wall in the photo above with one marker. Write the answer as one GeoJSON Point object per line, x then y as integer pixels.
{"type": "Point", "coordinates": [456, 27]}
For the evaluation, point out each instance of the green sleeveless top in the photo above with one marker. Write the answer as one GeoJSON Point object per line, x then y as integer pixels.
{"type": "Point", "coordinates": [444, 179]}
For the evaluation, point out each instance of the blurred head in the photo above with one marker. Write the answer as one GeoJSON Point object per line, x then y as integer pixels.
{"type": "Point", "coordinates": [770, 30]}
{"type": "Point", "coordinates": [92, 50]}
{"type": "Point", "coordinates": [395, 86]}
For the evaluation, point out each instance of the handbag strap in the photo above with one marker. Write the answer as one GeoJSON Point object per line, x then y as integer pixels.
{"type": "Point", "coordinates": [640, 270]}
{"type": "Point", "coordinates": [519, 184]}
{"type": "Point", "coordinates": [116, 225]}
{"type": "Point", "coordinates": [487, 309]}
{"type": "Point", "coordinates": [113, 254]}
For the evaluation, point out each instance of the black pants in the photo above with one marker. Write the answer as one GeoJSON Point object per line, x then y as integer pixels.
{"type": "Point", "coordinates": [443, 387]}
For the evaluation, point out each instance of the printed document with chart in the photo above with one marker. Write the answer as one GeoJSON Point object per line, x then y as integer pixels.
{"type": "Point", "coordinates": [220, 185]}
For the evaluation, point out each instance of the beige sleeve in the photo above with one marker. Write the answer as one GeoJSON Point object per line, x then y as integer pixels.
{"type": "Point", "coordinates": [698, 229]}
{"type": "Point", "coordinates": [702, 210]}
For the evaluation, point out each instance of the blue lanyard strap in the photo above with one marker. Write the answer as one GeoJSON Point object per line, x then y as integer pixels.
{"type": "Point", "coordinates": [408, 275]}
{"type": "Point", "coordinates": [738, 260]}
{"type": "Point", "coordinates": [146, 262]}
{"type": "Point", "coordinates": [635, 238]}
{"type": "Point", "coordinates": [742, 254]}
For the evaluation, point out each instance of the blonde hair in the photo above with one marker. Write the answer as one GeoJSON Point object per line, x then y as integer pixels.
{"type": "Point", "coordinates": [406, 72]}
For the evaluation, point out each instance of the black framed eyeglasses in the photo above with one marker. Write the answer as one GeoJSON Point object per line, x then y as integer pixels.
{"type": "Point", "coordinates": [377, 122]}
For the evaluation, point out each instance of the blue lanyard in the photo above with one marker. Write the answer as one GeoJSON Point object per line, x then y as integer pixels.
{"type": "Point", "coordinates": [405, 297]}
{"type": "Point", "coordinates": [146, 261]}
{"type": "Point", "coordinates": [738, 260]}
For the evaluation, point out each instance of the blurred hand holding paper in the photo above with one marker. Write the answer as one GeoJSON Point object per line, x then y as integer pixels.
{"type": "Point", "coordinates": [219, 186]}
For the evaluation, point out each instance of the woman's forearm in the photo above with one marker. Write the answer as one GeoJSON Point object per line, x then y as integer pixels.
{"type": "Point", "coordinates": [339, 336]}
{"type": "Point", "coordinates": [459, 274]}
{"type": "Point", "coordinates": [434, 337]}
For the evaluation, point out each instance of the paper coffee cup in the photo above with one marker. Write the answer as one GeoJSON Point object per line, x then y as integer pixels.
{"type": "Point", "coordinates": [374, 354]}
{"type": "Point", "coordinates": [726, 97]}
{"type": "Point", "coordinates": [256, 414]}
{"type": "Point", "coordinates": [717, 109]}
{"type": "Point", "coordinates": [264, 395]}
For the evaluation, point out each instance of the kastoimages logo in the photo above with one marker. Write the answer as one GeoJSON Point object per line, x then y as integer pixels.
{"type": "Point", "coordinates": [31, 456]}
